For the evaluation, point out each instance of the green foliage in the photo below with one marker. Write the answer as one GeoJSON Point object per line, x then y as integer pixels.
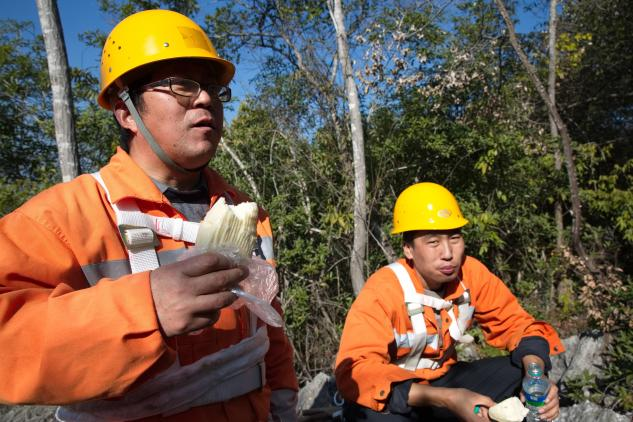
{"type": "Point", "coordinates": [483, 229]}
{"type": "Point", "coordinates": [22, 102]}
{"type": "Point", "coordinates": [297, 315]}
{"type": "Point", "coordinates": [28, 152]}
{"type": "Point", "coordinates": [96, 132]}
{"type": "Point", "coordinates": [483, 349]}
{"type": "Point", "coordinates": [595, 96]}
{"type": "Point", "coordinates": [13, 193]}
{"type": "Point", "coordinates": [97, 136]}
{"type": "Point", "coordinates": [616, 380]}
{"type": "Point", "coordinates": [27, 147]}
{"type": "Point", "coordinates": [611, 196]}
{"type": "Point", "coordinates": [583, 387]}
{"type": "Point", "coordinates": [619, 367]}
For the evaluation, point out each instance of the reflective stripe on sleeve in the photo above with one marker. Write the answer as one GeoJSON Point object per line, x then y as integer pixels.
{"type": "Point", "coordinates": [265, 245]}
{"type": "Point", "coordinates": [119, 267]}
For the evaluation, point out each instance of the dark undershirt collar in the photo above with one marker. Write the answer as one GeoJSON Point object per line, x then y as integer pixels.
{"type": "Point", "coordinates": [192, 203]}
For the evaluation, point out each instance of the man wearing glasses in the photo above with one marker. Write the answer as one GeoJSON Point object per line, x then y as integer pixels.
{"type": "Point", "coordinates": [100, 312]}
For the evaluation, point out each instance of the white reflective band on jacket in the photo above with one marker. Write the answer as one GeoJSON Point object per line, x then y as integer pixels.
{"type": "Point", "coordinates": [214, 378]}
{"type": "Point", "coordinates": [415, 303]}
{"type": "Point", "coordinates": [221, 376]}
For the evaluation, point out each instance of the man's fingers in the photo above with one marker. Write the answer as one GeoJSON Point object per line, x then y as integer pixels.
{"type": "Point", "coordinates": [202, 321]}
{"type": "Point", "coordinates": [553, 392]}
{"type": "Point", "coordinates": [209, 318]}
{"type": "Point", "coordinates": [205, 304]}
{"type": "Point", "coordinates": [488, 402]}
{"type": "Point", "coordinates": [218, 281]}
{"type": "Point", "coordinates": [548, 416]}
{"type": "Point", "coordinates": [484, 413]}
{"type": "Point", "coordinates": [551, 403]}
{"type": "Point", "coordinates": [206, 263]}
{"type": "Point", "coordinates": [551, 408]}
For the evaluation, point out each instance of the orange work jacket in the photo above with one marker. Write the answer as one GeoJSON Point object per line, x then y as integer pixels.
{"type": "Point", "coordinates": [75, 324]}
{"type": "Point", "coordinates": [378, 318]}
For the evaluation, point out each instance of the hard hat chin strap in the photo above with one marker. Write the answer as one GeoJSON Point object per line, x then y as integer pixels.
{"type": "Point", "coordinates": [125, 96]}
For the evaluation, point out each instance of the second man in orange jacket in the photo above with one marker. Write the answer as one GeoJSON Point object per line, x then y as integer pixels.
{"type": "Point", "coordinates": [397, 358]}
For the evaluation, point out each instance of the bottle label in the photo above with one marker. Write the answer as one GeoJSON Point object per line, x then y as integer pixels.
{"type": "Point", "coordinates": [534, 400]}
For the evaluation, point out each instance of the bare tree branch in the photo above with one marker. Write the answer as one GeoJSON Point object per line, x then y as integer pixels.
{"type": "Point", "coordinates": [224, 145]}
{"type": "Point", "coordinates": [551, 88]}
{"type": "Point", "coordinates": [564, 133]}
{"type": "Point", "coordinates": [359, 249]}
{"type": "Point", "coordinates": [60, 85]}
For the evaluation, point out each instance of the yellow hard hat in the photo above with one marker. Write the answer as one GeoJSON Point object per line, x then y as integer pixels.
{"type": "Point", "coordinates": [426, 206]}
{"type": "Point", "coordinates": [152, 36]}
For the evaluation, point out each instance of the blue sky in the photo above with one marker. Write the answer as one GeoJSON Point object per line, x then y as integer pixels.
{"type": "Point", "coordinates": [79, 16]}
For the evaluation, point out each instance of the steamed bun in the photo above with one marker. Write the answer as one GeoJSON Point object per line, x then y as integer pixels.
{"type": "Point", "coordinates": [509, 410]}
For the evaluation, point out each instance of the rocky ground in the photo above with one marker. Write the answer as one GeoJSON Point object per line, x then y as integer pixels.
{"type": "Point", "coordinates": [27, 413]}
{"type": "Point", "coordinates": [318, 401]}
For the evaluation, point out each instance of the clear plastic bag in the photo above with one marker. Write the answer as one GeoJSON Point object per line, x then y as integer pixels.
{"type": "Point", "coordinates": [261, 281]}
{"type": "Point", "coordinates": [257, 290]}
{"type": "Point", "coordinates": [259, 307]}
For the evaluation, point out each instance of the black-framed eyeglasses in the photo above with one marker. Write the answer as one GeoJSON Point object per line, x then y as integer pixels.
{"type": "Point", "coordinates": [190, 88]}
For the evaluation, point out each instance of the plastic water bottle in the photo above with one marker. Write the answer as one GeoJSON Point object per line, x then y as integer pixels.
{"type": "Point", "coordinates": [535, 388]}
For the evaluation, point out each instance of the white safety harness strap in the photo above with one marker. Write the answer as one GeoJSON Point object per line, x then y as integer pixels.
{"type": "Point", "coordinates": [138, 230]}
{"type": "Point", "coordinates": [416, 314]}
{"type": "Point", "coordinates": [415, 303]}
{"type": "Point", "coordinates": [229, 373]}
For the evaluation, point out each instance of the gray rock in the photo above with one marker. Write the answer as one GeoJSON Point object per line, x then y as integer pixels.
{"type": "Point", "coordinates": [27, 413]}
{"type": "Point", "coordinates": [590, 412]}
{"type": "Point", "coordinates": [467, 352]}
{"type": "Point", "coordinates": [317, 393]}
{"type": "Point", "coordinates": [582, 353]}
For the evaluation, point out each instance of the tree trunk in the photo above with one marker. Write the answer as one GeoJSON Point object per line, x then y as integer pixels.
{"type": "Point", "coordinates": [558, 165]}
{"type": "Point", "coordinates": [551, 88]}
{"type": "Point", "coordinates": [224, 145]}
{"type": "Point", "coordinates": [358, 149]}
{"type": "Point", "coordinates": [564, 134]}
{"type": "Point", "coordinates": [60, 84]}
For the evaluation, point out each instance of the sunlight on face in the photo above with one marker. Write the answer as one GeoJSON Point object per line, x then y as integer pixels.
{"type": "Point", "coordinates": [436, 255]}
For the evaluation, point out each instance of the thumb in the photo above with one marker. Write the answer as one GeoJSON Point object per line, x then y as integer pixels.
{"type": "Point", "coordinates": [487, 402]}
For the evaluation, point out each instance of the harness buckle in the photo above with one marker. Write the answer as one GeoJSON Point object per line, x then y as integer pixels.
{"type": "Point", "coordinates": [464, 298]}
{"type": "Point", "coordinates": [136, 237]}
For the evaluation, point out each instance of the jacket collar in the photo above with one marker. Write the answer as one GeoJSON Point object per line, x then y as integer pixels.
{"type": "Point", "coordinates": [125, 179]}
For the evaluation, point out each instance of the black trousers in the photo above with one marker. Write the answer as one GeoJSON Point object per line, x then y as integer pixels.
{"type": "Point", "coordinates": [496, 378]}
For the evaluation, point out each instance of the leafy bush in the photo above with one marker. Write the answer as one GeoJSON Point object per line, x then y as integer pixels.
{"type": "Point", "coordinates": [619, 370]}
